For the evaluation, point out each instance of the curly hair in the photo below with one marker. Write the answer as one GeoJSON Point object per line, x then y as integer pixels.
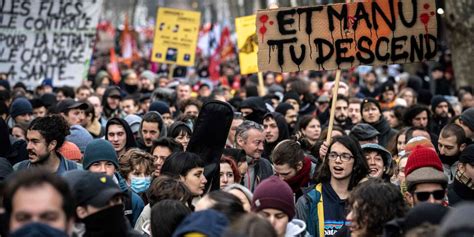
{"type": "Point", "coordinates": [360, 168]}
{"type": "Point", "coordinates": [52, 128]}
{"type": "Point", "coordinates": [135, 158]}
{"type": "Point", "coordinates": [191, 101]}
{"type": "Point", "coordinates": [372, 210]}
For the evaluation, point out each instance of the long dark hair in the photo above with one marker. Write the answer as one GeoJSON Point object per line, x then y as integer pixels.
{"type": "Point", "coordinates": [360, 168]}
{"type": "Point", "coordinates": [166, 215]}
{"type": "Point", "coordinates": [180, 163]}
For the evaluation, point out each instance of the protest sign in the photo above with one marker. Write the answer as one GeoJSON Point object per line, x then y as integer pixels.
{"type": "Point", "coordinates": [176, 33]}
{"type": "Point", "coordinates": [47, 39]}
{"type": "Point", "coordinates": [342, 36]}
{"type": "Point", "coordinates": [247, 44]}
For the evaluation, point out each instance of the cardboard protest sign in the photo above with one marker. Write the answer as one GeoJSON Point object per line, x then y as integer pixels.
{"type": "Point", "coordinates": [247, 44]}
{"type": "Point", "coordinates": [176, 33]}
{"type": "Point", "coordinates": [342, 36]}
{"type": "Point", "coordinates": [46, 39]}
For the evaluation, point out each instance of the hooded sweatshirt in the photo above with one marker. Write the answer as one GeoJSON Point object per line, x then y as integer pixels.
{"type": "Point", "coordinates": [130, 142]}
{"type": "Point", "coordinates": [386, 132]}
{"type": "Point", "coordinates": [258, 106]}
{"type": "Point", "coordinates": [283, 133]}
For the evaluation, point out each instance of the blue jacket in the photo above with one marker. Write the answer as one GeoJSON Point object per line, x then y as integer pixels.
{"type": "Point", "coordinates": [307, 210]}
{"type": "Point", "coordinates": [64, 165]}
{"type": "Point", "coordinates": [134, 206]}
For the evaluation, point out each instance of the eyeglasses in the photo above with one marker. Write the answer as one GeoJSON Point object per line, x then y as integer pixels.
{"type": "Point", "coordinates": [424, 196]}
{"type": "Point", "coordinates": [344, 156]}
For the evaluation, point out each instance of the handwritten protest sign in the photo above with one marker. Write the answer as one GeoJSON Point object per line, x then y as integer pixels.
{"type": "Point", "coordinates": [176, 33]}
{"type": "Point", "coordinates": [46, 39]}
{"type": "Point", "coordinates": [247, 43]}
{"type": "Point", "coordinates": [341, 36]}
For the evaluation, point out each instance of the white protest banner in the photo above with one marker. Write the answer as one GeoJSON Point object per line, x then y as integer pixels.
{"type": "Point", "coordinates": [46, 39]}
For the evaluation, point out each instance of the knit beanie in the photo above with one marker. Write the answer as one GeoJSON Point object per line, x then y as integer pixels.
{"type": "Point", "coordinates": [134, 122]}
{"type": "Point", "coordinates": [282, 108]}
{"type": "Point", "coordinates": [149, 75]}
{"type": "Point", "coordinates": [79, 136]}
{"type": "Point", "coordinates": [274, 193]}
{"type": "Point", "coordinates": [20, 106]}
{"type": "Point", "coordinates": [160, 107]}
{"type": "Point", "coordinates": [436, 100]}
{"type": "Point", "coordinates": [467, 117]}
{"type": "Point", "coordinates": [99, 150]}
{"type": "Point", "coordinates": [467, 155]}
{"type": "Point", "coordinates": [70, 151]}
{"type": "Point", "coordinates": [424, 166]}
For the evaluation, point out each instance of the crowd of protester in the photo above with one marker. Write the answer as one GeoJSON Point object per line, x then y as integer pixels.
{"type": "Point", "coordinates": [109, 159]}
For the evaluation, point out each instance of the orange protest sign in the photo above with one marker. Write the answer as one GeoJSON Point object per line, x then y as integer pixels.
{"type": "Point", "coordinates": [341, 36]}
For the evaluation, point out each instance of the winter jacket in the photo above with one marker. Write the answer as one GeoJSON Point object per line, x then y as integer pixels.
{"type": "Point", "coordinates": [386, 132]}
{"type": "Point", "coordinates": [296, 228]}
{"type": "Point", "coordinates": [259, 169]}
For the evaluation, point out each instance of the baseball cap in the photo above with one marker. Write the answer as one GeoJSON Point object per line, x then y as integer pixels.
{"type": "Point", "coordinates": [95, 189]}
{"type": "Point", "coordinates": [68, 104]}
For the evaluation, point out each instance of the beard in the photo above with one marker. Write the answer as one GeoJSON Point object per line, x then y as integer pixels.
{"type": "Point", "coordinates": [340, 119]}
{"type": "Point", "coordinates": [40, 159]}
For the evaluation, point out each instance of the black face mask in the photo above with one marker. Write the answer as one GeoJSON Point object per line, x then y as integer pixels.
{"type": "Point", "coordinates": [108, 222]}
{"type": "Point", "coordinates": [130, 89]}
{"type": "Point", "coordinates": [449, 160]}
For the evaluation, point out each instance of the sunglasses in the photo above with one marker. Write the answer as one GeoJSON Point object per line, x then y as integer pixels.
{"type": "Point", "coordinates": [424, 196]}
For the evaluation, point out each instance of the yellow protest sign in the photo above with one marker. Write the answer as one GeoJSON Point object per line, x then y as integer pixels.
{"type": "Point", "coordinates": [176, 33]}
{"type": "Point", "coordinates": [341, 36]}
{"type": "Point", "coordinates": [247, 43]}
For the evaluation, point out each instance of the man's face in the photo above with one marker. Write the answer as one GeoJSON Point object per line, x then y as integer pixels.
{"type": "Point", "coordinates": [150, 132]}
{"type": "Point", "coordinates": [448, 146]}
{"type": "Point", "coordinates": [354, 113]}
{"type": "Point", "coordinates": [246, 111]}
{"type": "Point", "coordinates": [270, 129]}
{"type": "Point", "coordinates": [167, 119]}
{"type": "Point", "coordinates": [23, 119]}
{"type": "Point", "coordinates": [253, 145]}
{"type": "Point", "coordinates": [192, 111]}
{"type": "Point", "coordinates": [145, 105]}
{"type": "Point", "coordinates": [233, 128]}
{"type": "Point", "coordinates": [423, 189]}
{"type": "Point", "coordinates": [291, 117]}
{"type": "Point", "coordinates": [442, 110]}
{"type": "Point", "coordinates": [74, 116]}
{"type": "Point", "coordinates": [83, 94]}
{"type": "Point", "coordinates": [103, 167]}
{"type": "Point", "coordinates": [341, 111]}
{"type": "Point", "coordinates": [160, 153]}
{"type": "Point", "coordinates": [183, 92]}
{"type": "Point", "coordinates": [39, 112]}
{"type": "Point", "coordinates": [388, 96]}
{"type": "Point", "coordinates": [40, 203]}
{"type": "Point", "coordinates": [390, 117]}
{"type": "Point", "coordinates": [37, 147]}
{"type": "Point", "coordinates": [129, 107]}
{"type": "Point", "coordinates": [285, 172]}
{"type": "Point", "coordinates": [95, 101]}
{"type": "Point", "coordinates": [420, 120]}
{"type": "Point", "coordinates": [277, 218]}
{"type": "Point", "coordinates": [370, 113]}
{"type": "Point", "coordinates": [117, 136]}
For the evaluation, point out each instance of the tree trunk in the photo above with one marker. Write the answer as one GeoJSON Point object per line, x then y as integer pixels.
{"type": "Point", "coordinates": [459, 20]}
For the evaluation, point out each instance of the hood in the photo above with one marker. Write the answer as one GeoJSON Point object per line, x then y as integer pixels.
{"type": "Point", "coordinates": [258, 106]}
{"type": "Point", "coordinates": [6, 147]}
{"type": "Point", "coordinates": [130, 138]}
{"type": "Point", "coordinates": [107, 110]}
{"type": "Point", "coordinates": [283, 132]}
{"type": "Point", "coordinates": [382, 126]}
{"type": "Point", "coordinates": [295, 227]}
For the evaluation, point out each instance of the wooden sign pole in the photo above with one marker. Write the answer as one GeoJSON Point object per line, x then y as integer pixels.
{"type": "Point", "coordinates": [171, 71]}
{"type": "Point", "coordinates": [261, 86]}
{"type": "Point", "coordinates": [335, 88]}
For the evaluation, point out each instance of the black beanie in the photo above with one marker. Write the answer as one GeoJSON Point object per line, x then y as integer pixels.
{"type": "Point", "coordinates": [99, 150]}
{"type": "Point", "coordinates": [292, 95]}
{"type": "Point", "coordinates": [436, 100]}
{"type": "Point", "coordinates": [467, 117]}
{"type": "Point", "coordinates": [20, 106]}
{"type": "Point", "coordinates": [282, 108]}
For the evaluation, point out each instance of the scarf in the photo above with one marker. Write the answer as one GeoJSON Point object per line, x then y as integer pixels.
{"type": "Point", "coordinates": [107, 222]}
{"type": "Point", "coordinates": [301, 178]}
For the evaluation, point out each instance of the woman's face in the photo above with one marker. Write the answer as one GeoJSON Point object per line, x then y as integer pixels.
{"type": "Point", "coordinates": [390, 117]}
{"type": "Point", "coordinates": [239, 194]}
{"type": "Point", "coordinates": [313, 130]}
{"type": "Point", "coordinates": [226, 175]}
{"type": "Point", "coordinates": [195, 181]}
{"type": "Point", "coordinates": [375, 162]}
{"type": "Point", "coordinates": [370, 113]}
{"type": "Point", "coordinates": [401, 169]}
{"type": "Point", "coordinates": [183, 139]}
{"type": "Point", "coordinates": [401, 141]}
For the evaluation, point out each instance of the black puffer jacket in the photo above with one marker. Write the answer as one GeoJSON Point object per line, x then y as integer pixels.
{"type": "Point", "coordinates": [386, 132]}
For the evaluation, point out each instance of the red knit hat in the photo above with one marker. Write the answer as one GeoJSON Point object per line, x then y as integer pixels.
{"type": "Point", "coordinates": [424, 166]}
{"type": "Point", "coordinates": [274, 193]}
{"type": "Point", "coordinates": [70, 151]}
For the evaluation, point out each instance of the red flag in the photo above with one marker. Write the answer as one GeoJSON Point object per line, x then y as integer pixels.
{"type": "Point", "coordinates": [113, 68]}
{"type": "Point", "coordinates": [128, 46]}
{"type": "Point", "coordinates": [224, 51]}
